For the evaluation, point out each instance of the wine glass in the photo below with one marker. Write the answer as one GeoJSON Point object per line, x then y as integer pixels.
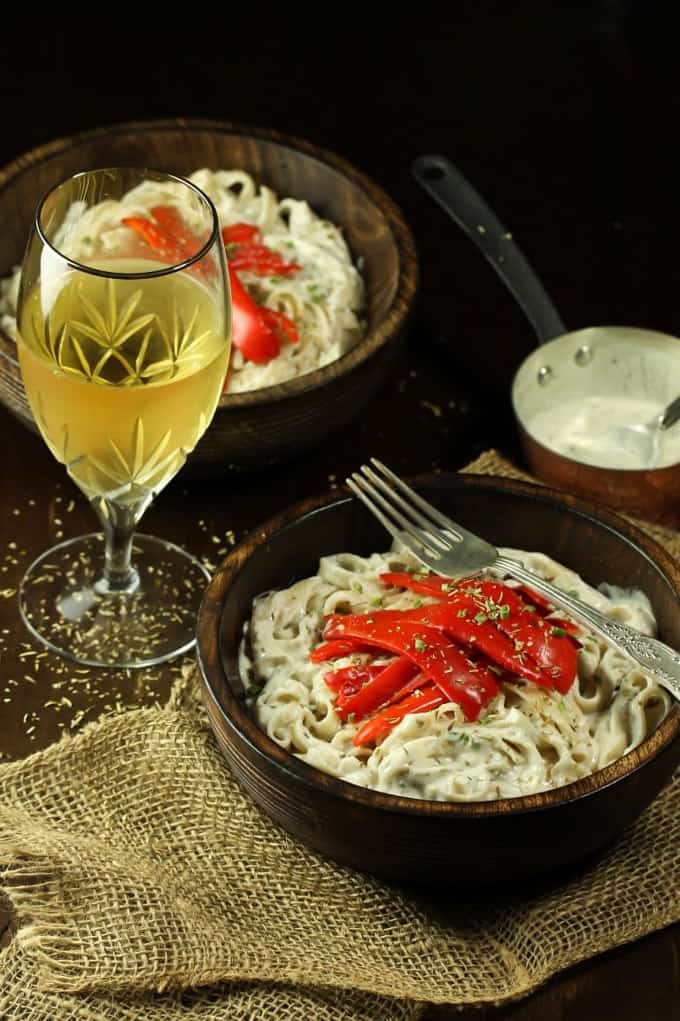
{"type": "Point", "coordinates": [123, 338]}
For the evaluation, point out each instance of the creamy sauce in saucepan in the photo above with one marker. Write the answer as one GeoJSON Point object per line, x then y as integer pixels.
{"type": "Point", "coordinates": [583, 428]}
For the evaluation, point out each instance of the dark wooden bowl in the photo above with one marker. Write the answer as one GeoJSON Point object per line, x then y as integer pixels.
{"type": "Point", "coordinates": [265, 425]}
{"type": "Point", "coordinates": [403, 838]}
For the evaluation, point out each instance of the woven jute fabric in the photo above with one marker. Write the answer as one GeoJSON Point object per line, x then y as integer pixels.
{"type": "Point", "coordinates": [145, 885]}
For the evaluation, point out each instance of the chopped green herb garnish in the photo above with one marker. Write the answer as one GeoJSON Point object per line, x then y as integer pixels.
{"type": "Point", "coordinates": [481, 618]}
{"type": "Point", "coordinates": [418, 603]}
{"type": "Point", "coordinates": [419, 645]}
{"type": "Point", "coordinates": [562, 705]}
{"type": "Point", "coordinates": [558, 632]}
{"type": "Point", "coordinates": [377, 601]}
{"type": "Point", "coordinates": [527, 608]}
{"type": "Point", "coordinates": [420, 576]}
{"type": "Point", "coordinates": [504, 611]}
{"type": "Point", "coordinates": [462, 613]}
{"type": "Point", "coordinates": [357, 586]}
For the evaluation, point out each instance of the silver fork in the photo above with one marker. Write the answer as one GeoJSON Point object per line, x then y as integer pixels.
{"type": "Point", "coordinates": [447, 548]}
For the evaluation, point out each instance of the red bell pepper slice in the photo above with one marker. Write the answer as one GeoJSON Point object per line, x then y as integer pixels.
{"type": "Point", "coordinates": [572, 629]}
{"type": "Point", "coordinates": [171, 239]}
{"type": "Point", "coordinates": [379, 689]}
{"type": "Point", "coordinates": [420, 581]}
{"type": "Point", "coordinates": [241, 233]}
{"type": "Point", "coordinates": [351, 676]}
{"type": "Point", "coordinates": [532, 636]}
{"type": "Point", "coordinates": [173, 222]}
{"type": "Point", "coordinates": [462, 681]}
{"type": "Point", "coordinates": [339, 648]}
{"type": "Point", "coordinates": [279, 322]}
{"type": "Point", "coordinates": [158, 238]}
{"type": "Point", "coordinates": [259, 259]}
{"type": "Point", "coordinates": [252, 336]}
{"type": "Point", "coordinates": [256, 330]}
{"type": "Point", "coordinates": [421, 701]}
{"type": "Point", "coordinates": [542, 604]}
{"type": "Point", "coordinates": [415, 684]}
{"type": "Point", "coordinates": [501, 605]}
{"type": "Point", "coordinates": [460, 618]}
{"type": "Point", "coordinates": [348, 680]}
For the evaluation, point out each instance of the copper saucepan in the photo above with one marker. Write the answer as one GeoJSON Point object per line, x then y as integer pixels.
{"type": "Point", "coordinates": [587, 364]}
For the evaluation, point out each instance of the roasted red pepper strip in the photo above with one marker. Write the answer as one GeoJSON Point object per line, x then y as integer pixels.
{"type": "Point", "coordinates": [424, 583]}
{"type": "Point", "coordinates": [428, 697]}
{"type": "Point", "coordinates": [572, 629]}
{"type": "Point", "coordinates": [502, 606]}
{"type": "Point", "coordinates": [533, 635]}
{"type": "Point", "coordinates": [158, 238]}
{"type": "Point", "coordinates": [257, 258]}
{"type": "Point", "coordinates": [457, 617]}
{"type": "Point", "coordinates": [462, 681]}
{"type": "Point", "coordinates": [285, 327]}
{"type": "Point", "coordinates": [351, 676]}
{"type": "Point", "coordinates": [252, 336]}
{"type": "Point", "coordinates": [415, 684]}
{"type": "Point", "coordinates": [170, 218]}
{"type": "Point", "coordinates": [336, 649]}
{"type": "Point", "coordinates": [257, 331]}
{"type": "Point", "coordinates": [387, 683]}
{"type": "Point", "coordinates": [542, 604]}
{"type": "Point", "coordinates": [241, 233]}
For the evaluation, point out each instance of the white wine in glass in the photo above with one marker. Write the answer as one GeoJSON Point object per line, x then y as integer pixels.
{"type": "Point", "coordinates": [123, 346]}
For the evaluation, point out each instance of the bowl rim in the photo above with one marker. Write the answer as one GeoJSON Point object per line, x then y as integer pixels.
{"type": "Point", "coordinates": [408, 269]}
{"type": "Point", "coordinates": [239, 722]}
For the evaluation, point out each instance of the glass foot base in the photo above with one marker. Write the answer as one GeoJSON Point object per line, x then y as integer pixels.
{"type": "Point", "coordinates": [61, 605]}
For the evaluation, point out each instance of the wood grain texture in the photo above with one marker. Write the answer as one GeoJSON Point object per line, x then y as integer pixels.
{"type": "Point", "coordinates": [403, 838]}
{"type": "Point", "coordinates": [262, 426]}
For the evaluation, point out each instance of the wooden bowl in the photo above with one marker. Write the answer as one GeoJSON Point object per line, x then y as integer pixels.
{"type": "Point", "coordinates": [264, 425]}
{"type": "Point", "coordinates": [404, 838]}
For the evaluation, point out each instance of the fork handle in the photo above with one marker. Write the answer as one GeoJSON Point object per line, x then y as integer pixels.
{"type": "Point", "coordinates": [649, 653]}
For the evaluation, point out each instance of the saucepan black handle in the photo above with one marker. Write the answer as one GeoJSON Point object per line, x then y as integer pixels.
{"type": "Point", "coordinates": [455, 194]}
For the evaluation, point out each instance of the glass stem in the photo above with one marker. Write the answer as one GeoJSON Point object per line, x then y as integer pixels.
{"type": "Point", "coordinates": [119, 523]}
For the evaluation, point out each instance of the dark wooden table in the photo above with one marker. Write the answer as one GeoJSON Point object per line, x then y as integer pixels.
{"type": "Point", "coordinates": [564, 114]}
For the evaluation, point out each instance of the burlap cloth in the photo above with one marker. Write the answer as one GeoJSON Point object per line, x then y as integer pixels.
{"type": "Point", "coordinates": [144, 885]}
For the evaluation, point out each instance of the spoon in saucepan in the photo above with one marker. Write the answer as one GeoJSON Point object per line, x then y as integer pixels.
{"type": "Point", "coordinates": [444, 182]}
{"type": "Point", "coordinates": [643, 439]}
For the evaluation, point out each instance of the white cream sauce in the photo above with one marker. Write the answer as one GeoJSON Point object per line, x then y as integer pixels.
{"type": "Point", "coordinates": [584, 429]}
{"type": "Point", "coordinates": [528, 739]}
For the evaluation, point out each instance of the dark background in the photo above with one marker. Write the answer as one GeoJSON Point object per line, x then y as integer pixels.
{"type": "Point", "coordinates": [563, 114]}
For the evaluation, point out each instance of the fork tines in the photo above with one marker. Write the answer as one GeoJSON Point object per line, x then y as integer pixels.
{"type": "Point", "coordinates": [401, 510]}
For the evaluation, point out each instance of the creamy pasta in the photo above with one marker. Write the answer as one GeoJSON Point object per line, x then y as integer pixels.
{"type": "Point", "coordinates": [325, 299]}
{"type": "Point", "coordinates": [527, 739]}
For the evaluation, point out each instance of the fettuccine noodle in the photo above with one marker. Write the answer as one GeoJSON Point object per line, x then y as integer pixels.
{"type": "Point", "coordinates": [528, 739]}
{"type": "Point", "coordinates": [326, 299]}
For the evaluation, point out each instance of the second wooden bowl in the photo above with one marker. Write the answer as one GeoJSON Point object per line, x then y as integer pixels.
{"type": "Point", "coordinates": [263, 426]}
{"type": "Point", "coordinates": [426, 841]}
